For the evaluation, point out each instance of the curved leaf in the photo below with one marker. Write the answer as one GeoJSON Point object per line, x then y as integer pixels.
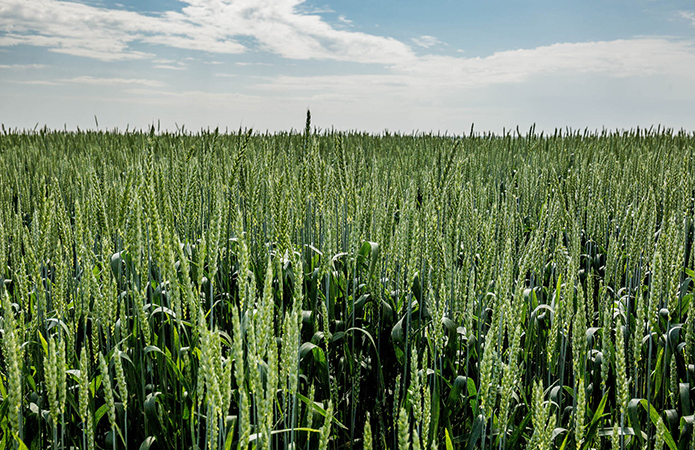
{"type": "Point", "coordinates": [656, 418]}
{"type": "Point", "coordinates": [148, 443]}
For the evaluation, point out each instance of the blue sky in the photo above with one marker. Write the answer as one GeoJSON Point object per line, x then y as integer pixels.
{"type": "Point", "coordinates": [358, 65]}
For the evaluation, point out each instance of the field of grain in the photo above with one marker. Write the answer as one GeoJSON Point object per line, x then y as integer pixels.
{"type": "Point", "coordinates": [319, 289]}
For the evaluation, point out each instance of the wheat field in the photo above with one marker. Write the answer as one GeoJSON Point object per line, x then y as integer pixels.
{"type": "Point", "coordinates": [343, 290]}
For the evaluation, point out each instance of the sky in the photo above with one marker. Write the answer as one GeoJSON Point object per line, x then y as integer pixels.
{"type": "Point", "coordinates": [399, 66]}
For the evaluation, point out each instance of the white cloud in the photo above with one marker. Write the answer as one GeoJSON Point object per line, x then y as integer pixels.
{"type": "Point", "coordinates": [169, 64]}
{"type": "Point", "coordinates": [168, 67]}
{"type": "Point", "coordinates": [575, 84]}
{"type": "Point", "coordinates": [306, 9]}
{"type": "Point", "coordinates": [100, 33]}
{"type": "Point", "coordinates": [215, 26]}
{"type": "Point", "coordinates": [426, 41]}
{"type": "Point", "coordinates": [434, 76]}
{"type": "Point", "coordinates": [619, 58]}
{"type": "Point", "coordinates": [36, 82]}
{"type": "Point", "coordinates": [114, 81]}
{"type": "Point", "coordinates": [22, 66]}
{"type": "Point", "coordinates": [246, 64]}
{"type": "Point", "coordinates": [688, 15]}
{"type": "Point", "coordinates": [286, 28]}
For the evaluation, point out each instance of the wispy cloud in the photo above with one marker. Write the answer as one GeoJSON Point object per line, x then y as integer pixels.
{"type": "Point", "coordinates": [168, 67]}
{"type": "Point", "coordinates": [426, 41]}
{"type": "Point", "coordinates": [432, 76]}
{"type": "Point", "coordinates": [114, 81]}
{"type": "Point", "coordinates": [344, 20]}
{"type": "Point", "coordinates": [22, 66]}
{"type": "Point", "coordinates": [619, 58]}
{"type": "Point", "coordinates": [215, 26]}
{"type": "Point", "coordinates": [290, 29]}
{"type": "Point", "coordinates": [169, 64]}
{"type": "Point", "coordinates": [101, 33]}
{"type": "Point", "coordinates": [36, 82]}
{"type": "Point", "coordinates": [246, 64]}
{"type": "Point", "coordinates": [688, 15]}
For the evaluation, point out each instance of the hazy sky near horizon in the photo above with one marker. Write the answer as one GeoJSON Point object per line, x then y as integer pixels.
{"type": "Point", "coordinates": [360, 65]}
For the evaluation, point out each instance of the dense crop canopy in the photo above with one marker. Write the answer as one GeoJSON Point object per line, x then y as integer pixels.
{"type": "Point", "coordinates": [339, 290]}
